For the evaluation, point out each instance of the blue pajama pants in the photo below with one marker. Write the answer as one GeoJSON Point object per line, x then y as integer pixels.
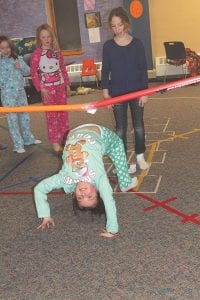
{"type": "Point", "coordinates": [18, 123]}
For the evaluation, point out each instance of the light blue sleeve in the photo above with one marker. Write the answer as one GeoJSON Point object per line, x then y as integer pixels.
{"type": "Point", "coordinates": [25, 69]}
{"type": "Point", "coordinates": [106, 194]}
{"type": "Point", "coordinates": [40, 194]}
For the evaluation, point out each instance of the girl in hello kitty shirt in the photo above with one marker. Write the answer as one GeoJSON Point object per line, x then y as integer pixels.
{"type": "Point", "coordinates": [50, 77]}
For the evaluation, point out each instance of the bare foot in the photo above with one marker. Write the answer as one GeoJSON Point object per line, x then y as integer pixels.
{"type": "Point", "coordinates": [57, 148]}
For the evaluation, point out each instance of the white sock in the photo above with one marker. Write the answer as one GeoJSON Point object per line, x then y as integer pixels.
{"type": "Point", "coordinates": [141, 161]}
{"type": "Point", "coordinates": [132, 185]}
{"type": "Point", "coordinates": [132, 169]}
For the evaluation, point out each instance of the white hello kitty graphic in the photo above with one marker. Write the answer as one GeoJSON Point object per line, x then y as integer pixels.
{"type": "Point", "coordinates": [49, 68]}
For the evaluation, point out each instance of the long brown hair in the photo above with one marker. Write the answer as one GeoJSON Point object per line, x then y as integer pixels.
{"type": "Point", "coordinates": [48, 28]}
{"type": "Point", "coordinates": [4, 38]}
{"type": "Point", "coordinates": [122, 14]}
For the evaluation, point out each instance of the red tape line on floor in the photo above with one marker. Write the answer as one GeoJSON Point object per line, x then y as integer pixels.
{"type": "Point", "coordinates": [156, 204]}
{"type": "Point", "coordinates": [163, 204]}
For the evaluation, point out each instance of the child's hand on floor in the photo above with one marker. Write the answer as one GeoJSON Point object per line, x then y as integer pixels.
{"type": "Point", "coordinates": [46, 223]}
{"type": "Point", "coordinates": [107, 234]}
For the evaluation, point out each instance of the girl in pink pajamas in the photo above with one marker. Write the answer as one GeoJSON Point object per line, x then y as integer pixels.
{"type": "Point", "coordinates": [49, 75]}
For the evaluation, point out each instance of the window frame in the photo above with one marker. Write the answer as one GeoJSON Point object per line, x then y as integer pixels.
{"type": "Point", "coordinates": [52, 22]}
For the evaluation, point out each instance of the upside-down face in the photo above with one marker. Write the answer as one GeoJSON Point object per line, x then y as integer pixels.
{"type": "Point", "coordinates": [86, 195]}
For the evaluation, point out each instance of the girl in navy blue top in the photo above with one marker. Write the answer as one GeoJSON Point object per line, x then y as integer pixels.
{"type": "Point", "coordinates": [124, 70]}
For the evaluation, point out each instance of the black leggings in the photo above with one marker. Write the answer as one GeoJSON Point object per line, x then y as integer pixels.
{"type": "Point", "coordinates": [120, 113]}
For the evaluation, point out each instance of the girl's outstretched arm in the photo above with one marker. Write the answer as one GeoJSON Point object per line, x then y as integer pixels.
{"type": "Point", "coordinates": [106, 194]}
{"type": "Point", "coordinates": [41, 191]}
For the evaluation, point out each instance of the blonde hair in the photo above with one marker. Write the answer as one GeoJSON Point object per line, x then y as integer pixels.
{"type": "Point", "coordinates": [48, 28]}
{"type": "Point", "coordinates": [122, 14]}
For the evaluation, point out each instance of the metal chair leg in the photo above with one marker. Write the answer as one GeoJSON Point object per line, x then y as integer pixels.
{"type": "Point", "coordinates": [165, 73]}
{"type": "Point", "coordinates": [184, 67]}
{"type": "Point", "coordinates": [97, 81]}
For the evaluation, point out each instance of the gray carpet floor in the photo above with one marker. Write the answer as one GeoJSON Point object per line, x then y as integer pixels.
{"type": "Point", "coordinates": [156, 256]}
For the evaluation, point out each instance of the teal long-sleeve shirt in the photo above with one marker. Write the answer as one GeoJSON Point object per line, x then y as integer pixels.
{"type": "Point", "coordinates": [83, 161]}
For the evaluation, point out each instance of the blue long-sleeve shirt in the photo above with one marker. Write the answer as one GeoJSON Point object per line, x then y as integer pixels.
{"type": "Point", "coordinates": [124, 68]}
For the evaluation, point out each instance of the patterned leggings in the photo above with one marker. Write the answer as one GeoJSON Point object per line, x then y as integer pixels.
{"type": "Point", "coordinates": [114, 149]}
{"type": "Point", "coordinates": [57, 121]}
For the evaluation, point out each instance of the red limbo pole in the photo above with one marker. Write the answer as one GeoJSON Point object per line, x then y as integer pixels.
{"type": "Point", "coordinates": [101, 103]}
